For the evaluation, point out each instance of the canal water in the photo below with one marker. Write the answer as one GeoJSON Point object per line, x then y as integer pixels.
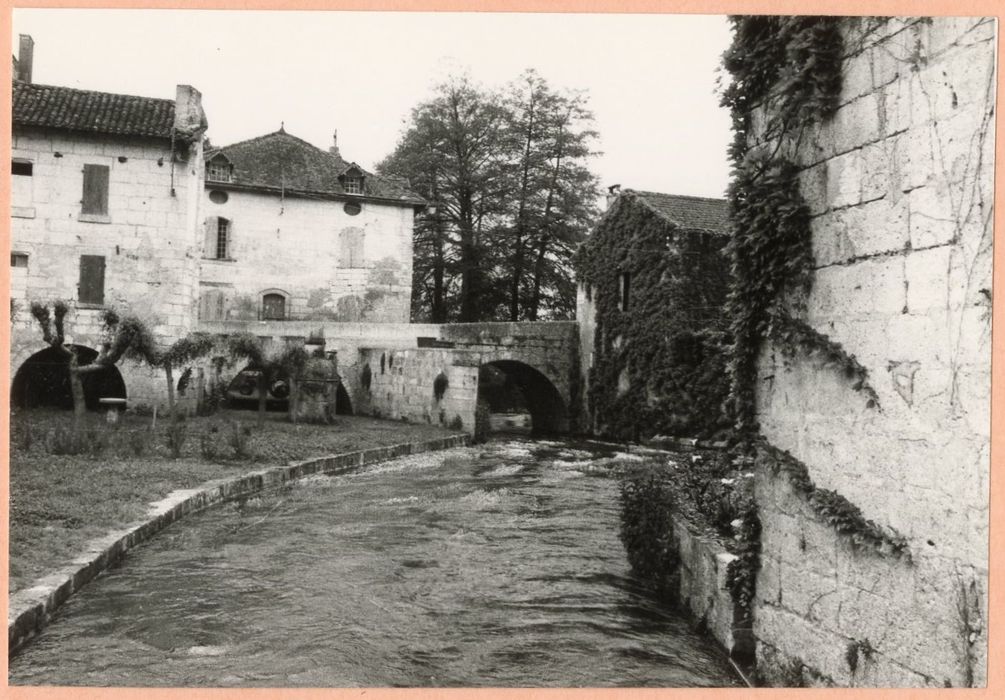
{"type": "Point", "coordinates": [494, 566]}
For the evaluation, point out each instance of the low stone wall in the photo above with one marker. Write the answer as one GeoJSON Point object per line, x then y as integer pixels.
{"type": "Point", "coordinates": [703, 563]}
{"type": "Point", "coordinates": [29, 610]}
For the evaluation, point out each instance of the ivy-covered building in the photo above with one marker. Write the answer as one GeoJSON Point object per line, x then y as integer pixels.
{"type": "Point", "coordinates": [653, 279]}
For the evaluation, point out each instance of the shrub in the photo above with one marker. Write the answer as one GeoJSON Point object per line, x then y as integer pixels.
{"type": "Point", "coordinates": [239, 438]}
{"type": "Point", "coordinates": [63, 440]}
{"type": "Point", "coordinates": [440, 385]}
{"type": "Point", "coordinates": [22, 437]}
{"type": "Point", "coordinates": [175, 436]}
{"type": "Point", "coordinates": [209, 444]}
{"type": "Point", "coordinates": [139, 441]}
{"type": "Point", "coordinates": [647, 529]}
{"type": "Point", "coordinates": [96, 441]}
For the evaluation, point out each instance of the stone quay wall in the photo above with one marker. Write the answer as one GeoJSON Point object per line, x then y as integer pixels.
{"type": "Point", "coordinates": [900, 187]}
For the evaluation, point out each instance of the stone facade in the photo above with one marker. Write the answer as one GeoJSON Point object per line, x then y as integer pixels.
{"type": "Point", "coordinates": [900, 186]}
{"type": "Point", "coordinates": [147, 242]}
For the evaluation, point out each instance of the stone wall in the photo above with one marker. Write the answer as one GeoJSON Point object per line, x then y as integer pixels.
{"type": "Point", "coordinates": [148, 239]}
{"type": "Point", "coordinates": [292, 245]}
{"type": "Point", "coordinates": [900, 186]}
{"type": "Point", "coordinates": [402, 381]}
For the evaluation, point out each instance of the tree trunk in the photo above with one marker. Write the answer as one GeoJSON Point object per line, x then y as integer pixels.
{"type": "Point", "coordinates": [168, 371]}
{"type": "Point", "coordinates": [294, 397]}
{"type": "Point", "coordinates": [263, 390]}
{"type": "Point", "coordinates": [77, 391]}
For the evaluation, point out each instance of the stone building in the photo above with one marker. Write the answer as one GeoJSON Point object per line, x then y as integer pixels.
{"type": "Point", "coordinates": [652, 284]}
{"type": "Point", "coordinates": [106, 193]}
{"type": "Point", "coordinates": [899, 184]}
{"type": "Point", "coordinates": [292, 232]}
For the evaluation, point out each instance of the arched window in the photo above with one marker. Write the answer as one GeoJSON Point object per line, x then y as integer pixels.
{"type": "Point", "coordinates": [274, 306]}
{"type": "Point", "coordinates": [351, 252]}
{"type": "Point", "coordinates": [219, 234]}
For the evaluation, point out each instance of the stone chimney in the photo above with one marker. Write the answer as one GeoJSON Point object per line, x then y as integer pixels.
{"type": "Point", "coordinates": [189, 117]}
{"type": "Point", "coordinates": [334, 147]}
{"type": "Point", "coordinates": [25, 58]}
{"type": "Point", "coordinates": [612, 193]}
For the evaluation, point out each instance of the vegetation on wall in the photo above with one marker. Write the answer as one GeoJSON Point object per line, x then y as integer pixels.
{"type": "Point", "coordinates": [787, 69]}
{"type": "Point", "coordinates": [659, 364]}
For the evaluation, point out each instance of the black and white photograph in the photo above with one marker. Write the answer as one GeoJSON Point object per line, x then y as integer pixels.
{"type": "Point", "coordinates": [499, 350]}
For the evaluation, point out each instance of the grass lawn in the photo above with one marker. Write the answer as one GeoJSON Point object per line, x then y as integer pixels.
{"type": "Point", "coordinates": [59, 502]}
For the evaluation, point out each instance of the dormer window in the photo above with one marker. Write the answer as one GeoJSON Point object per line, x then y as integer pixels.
{"type": "Point", "coordinates": [219, 169]}
{"type": "Point", "coordinates": [352, 180]}
{"type": "Point", "coordinates": [354, 185]}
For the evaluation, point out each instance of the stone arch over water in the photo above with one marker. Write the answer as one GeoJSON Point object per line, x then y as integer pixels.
{"type": "Point", "coordinates": [43, 380]}
{"type": "Point", "coordinates": [548, 411]}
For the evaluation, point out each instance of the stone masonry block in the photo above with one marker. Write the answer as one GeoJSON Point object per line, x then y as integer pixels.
{"type": "Point", "coordinates": [799, 638]}
{"type": "Point", "coordinates": [927, 277]}
{"type": "Point", "coordinates": [868, 287]}
{"type": "Point", "coordinates": [844, 178]}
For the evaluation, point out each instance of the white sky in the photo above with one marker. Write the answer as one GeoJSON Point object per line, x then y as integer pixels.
{"type": "Point", "coordinates": [651, 78]}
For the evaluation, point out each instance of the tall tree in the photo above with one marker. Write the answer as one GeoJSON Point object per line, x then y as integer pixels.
{"type": "Point", "coordinates": [450, 154]}
{"type": "Point", "coordinates": [511, 196]}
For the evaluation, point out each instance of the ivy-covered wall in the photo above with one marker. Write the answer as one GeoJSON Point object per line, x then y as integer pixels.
{"type": "Point", "coordinates": [863, 202]}
{"type": "Point", "coordinates": [657, 366]}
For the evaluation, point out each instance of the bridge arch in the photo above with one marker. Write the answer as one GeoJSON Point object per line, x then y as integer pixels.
{"type": "Point", "coordinates": [43, 379]}
{"type": "Point", "coordinates": [542, 399]}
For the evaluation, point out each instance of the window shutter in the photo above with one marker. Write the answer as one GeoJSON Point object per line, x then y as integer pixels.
{"type": "Point", "coordinates": [92, 279]}
{"type": "Point", "coordinates": [210, 243]}
{"type": "Point", "coordinates": [95, 189]}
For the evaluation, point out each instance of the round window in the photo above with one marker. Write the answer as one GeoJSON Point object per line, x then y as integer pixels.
{"type": "Point", "coordinates": [218, 197]}
{"type": "Point", "coordinates": [352, 208]}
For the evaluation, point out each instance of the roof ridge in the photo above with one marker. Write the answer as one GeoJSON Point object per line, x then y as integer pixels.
{"type": "Point", "coordinates": [25, 84]}
{"type": "Point", "coordinates": [680, 196]}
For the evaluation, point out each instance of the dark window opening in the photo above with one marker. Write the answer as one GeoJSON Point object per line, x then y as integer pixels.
{"type": "Point", "coordinates": [19, 260]}
{"type": "Point", "coordinates": [95, 199]}
{"type": "Point", "coordinates": [218, 197]}
{"type": "Point", "coordinates": [92, 279]}
{"type": "Point", "coordinates": [273, 307]}
{"type": "Point", "coordinates": [352, 208]}
{"type": "Point", "coordinates": [21, 167]}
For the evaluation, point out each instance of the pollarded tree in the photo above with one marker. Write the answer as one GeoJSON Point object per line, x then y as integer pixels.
{"type": "Point", "coordinates": [182, 352]}
{"type": "Point", "coordinates": [290, 360]}
{"type": "Point", "coordinates": [125, 337]}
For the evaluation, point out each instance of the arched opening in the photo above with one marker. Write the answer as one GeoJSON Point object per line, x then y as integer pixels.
{"type": "Point", "coordinates": [44, 381]}
{"type": "Point", "coordinates": [343, 406]}
{"type": "Point", "coordinates": [510, 388]}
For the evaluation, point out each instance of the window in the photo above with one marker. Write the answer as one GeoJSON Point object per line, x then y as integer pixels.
{"type": "Point", "coordinates": [219, 169]}
{"type": "Point", "coordinates": [218, 197]}
{"type": "Point", "coordinates": [351, 247]}
{"type": "Point", "coordinates": [20, 188]}
{"type": "Point", "coordinates": [625, 291]}
{"type": "Point", "coordinates": [95, 201]}
{"type": "Point", "coordinates": [352, 208]}
{"type": "Point", "coordinates": [353, 184]}
{"type": "Point", "coordinates": [92, 280]}
{"type": "Point", "coordinates": [19, 260]}
{"type": "Point", "coordinates": [222, 239]}
{"type": "Point", "coordinates": [273, 307]}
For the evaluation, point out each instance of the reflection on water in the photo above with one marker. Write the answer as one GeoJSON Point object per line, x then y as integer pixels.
{"type": "Point", "coordinates": [498, 565]}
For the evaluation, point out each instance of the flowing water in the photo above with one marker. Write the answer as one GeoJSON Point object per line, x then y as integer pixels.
{"type": "Point", "coordinates": [498, 565]}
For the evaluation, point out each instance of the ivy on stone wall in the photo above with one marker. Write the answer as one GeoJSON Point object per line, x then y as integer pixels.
{"type": "Point", "coordinates": [833, 508]}
{"type": "Point", "coordinates": [787, 69]}
{"type": "Point", "coordinates": [659, 364]}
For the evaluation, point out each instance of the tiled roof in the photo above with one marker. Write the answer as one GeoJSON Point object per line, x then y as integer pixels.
{"type": "Point", "coordinates": [691, 213]}
{"type": "Point", "coordinates": [85, 110]}
{"type": "Point", "coordinates": [282, 161]}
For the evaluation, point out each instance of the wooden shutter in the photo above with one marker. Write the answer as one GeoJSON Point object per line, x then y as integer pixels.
{"type": "Point", "coordinates": [209, 251]}
{"type": "Point", "coordinates": [92, 279]}
{"type": "Point", "coordinates": [95, 189]}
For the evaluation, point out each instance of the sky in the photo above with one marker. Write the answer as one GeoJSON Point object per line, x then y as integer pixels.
{"type": "Point", "coordinates": [651, 79]}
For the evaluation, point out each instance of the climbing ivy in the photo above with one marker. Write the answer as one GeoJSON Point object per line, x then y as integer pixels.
{"type": "Point", "coordinates": [831, 507]}
{"type": "Point", "coordinates": [659, 366]}
{"type": "Point", "coordinates": [787, 69]}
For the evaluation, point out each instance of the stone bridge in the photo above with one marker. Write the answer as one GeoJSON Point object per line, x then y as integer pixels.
{"type": "Point", "coordinates": [390, 369]}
